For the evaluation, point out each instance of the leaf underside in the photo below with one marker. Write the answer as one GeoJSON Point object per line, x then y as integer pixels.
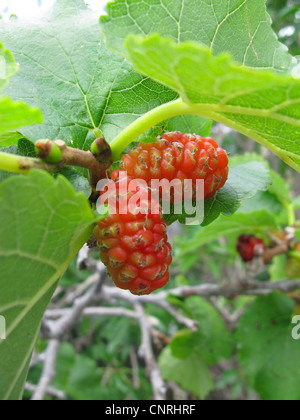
{"type": "Point", "coordinates": [264, 105]}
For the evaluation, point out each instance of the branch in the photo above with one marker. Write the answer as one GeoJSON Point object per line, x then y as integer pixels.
{"type": "Point", "coordinates": [65, 324]}
{"type": "Point", "coordinates": [48, 373]}
{"type": "Point", "coordinates": [83, 258]}
{"type": "Point", "coordinates": [135, 368]}
{"type": "Point", "coordinates": [146, 352]}
{"type": "Point", "coordinates": [252, 288]}
{"type": "Point", "coordinates": [280, 249]}
{"type": "Point", "coordinates": [54, 156]}
{"type": "Point", "coordinates": [181, 319]}
{"type": "Point", "coordinates": [76, 157]}
{"type": "Point", "coordinates": [91, 311]}
{"type": "Point", "coordinates": [50, 391]}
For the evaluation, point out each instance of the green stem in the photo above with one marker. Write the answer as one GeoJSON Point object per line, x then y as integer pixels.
{"type": "Point", "coordinates": [67, 156]}
{"type": "Point", "coordinates": [142, 124]}
{"type": "Point", "coordinates": [18, 164]}
{"type": "Point", "coordinates": [294, 254]}
{"type": "Point", "coordinates": [291, 215]}
{"type": "Point", "coordinates": [171, 109]}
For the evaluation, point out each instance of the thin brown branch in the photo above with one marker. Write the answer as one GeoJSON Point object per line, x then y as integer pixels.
{"type": "Point", "coordinates": [69, 156]}
{"type": "Point", "coordinates": [76, 157]}
{"type": "Point", "coordinates": [280, 249]}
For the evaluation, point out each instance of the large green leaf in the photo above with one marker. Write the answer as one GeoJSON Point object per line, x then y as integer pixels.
{"type": "Point", "coordinates": [267, 351]}
{"type": "Point", "coordinates": [263, 105]}
{"type": "Point", "coordinates": [43, 224]}
{"type": "Point", "coordinates": [256, 223]}
{"type": "Point", "coordinates": [191, 373]}
{"type": "Point", "coordinates": [80, 85]}
{"type": "Point", "coordinates": [211, 341]}
{"type": "Point", "coordinates": [240, 27]}
{"type": "Point", "coordinates": [243, 183]}
{"type": "Point", "coordinates": [226, 93]}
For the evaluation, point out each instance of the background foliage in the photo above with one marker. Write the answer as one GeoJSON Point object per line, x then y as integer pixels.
{"type": "Point", "coordinates": [227, 347]}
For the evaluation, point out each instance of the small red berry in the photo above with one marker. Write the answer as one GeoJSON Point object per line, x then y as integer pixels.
{"type": "Point", "coordinates": [249, 247]}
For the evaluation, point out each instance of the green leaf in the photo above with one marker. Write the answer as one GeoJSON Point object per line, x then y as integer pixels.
{"type": "Point", "coordinates": [246, 158]}
{"type": "Point", "coordinates": [255, 223]}
{"type": "Point", "coordinates": [275, 200]}
{"type": "Point", "coordinates": [296, 203]}
{"type": "Point", "coordinates": [263, 201]}
{"type": "Point", "coordinates": [8, 67]}
{"type": "Point", "coordinates": [184, 344]}
{"type": "Point", "coordinates": [267, 351]}
{"type": "Point", "coordinates": [278, 269]}
{"type": "Point", "coordinates": [14, 115]}
{"type": "Point", "coordinates": [26, 148]}
{"type": "Point", "coordinates": [280, 189]}
{"type": "Point", "coordinates": [216, 24]}
{"type": "Point", "coordinates": [192, 374]}
{"type": "Point", "coordinates": [77, 374]}
{"type": "Point", "coordinates": [263, 105]}
{"type": "Point", "coordinates": [43, 224]}
{"type": "Point", "coordinates": [79, 182]}
{"type": "Point", "coordinates": [80, 85]}
{"type": "Point", "coordinates": [190, 124]}
{"type": "Point", "coordinates": [213, 340]}
{"type": "Point", "coordinates": [9, 139]}
{"type": "Point", "coordinates": [243, 183]}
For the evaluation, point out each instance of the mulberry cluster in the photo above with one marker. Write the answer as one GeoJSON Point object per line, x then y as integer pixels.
{"type": "Point", "coordinates": [133, 243]}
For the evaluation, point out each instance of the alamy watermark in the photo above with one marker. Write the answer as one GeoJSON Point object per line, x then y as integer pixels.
{"type": "Point", "coordinates": [136, 196]}
{"type": "Point", "coordinates": [2, 328]}
{"type": "Point", "coordinates": [2, 68]}
{"type": "Point", "coordinates": [296, 329]}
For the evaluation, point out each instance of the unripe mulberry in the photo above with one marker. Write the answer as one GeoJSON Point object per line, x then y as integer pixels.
{"type": "Point", "coordinates": [134, 246]}
{"type": "Point", "coordinates": [179, 156]}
